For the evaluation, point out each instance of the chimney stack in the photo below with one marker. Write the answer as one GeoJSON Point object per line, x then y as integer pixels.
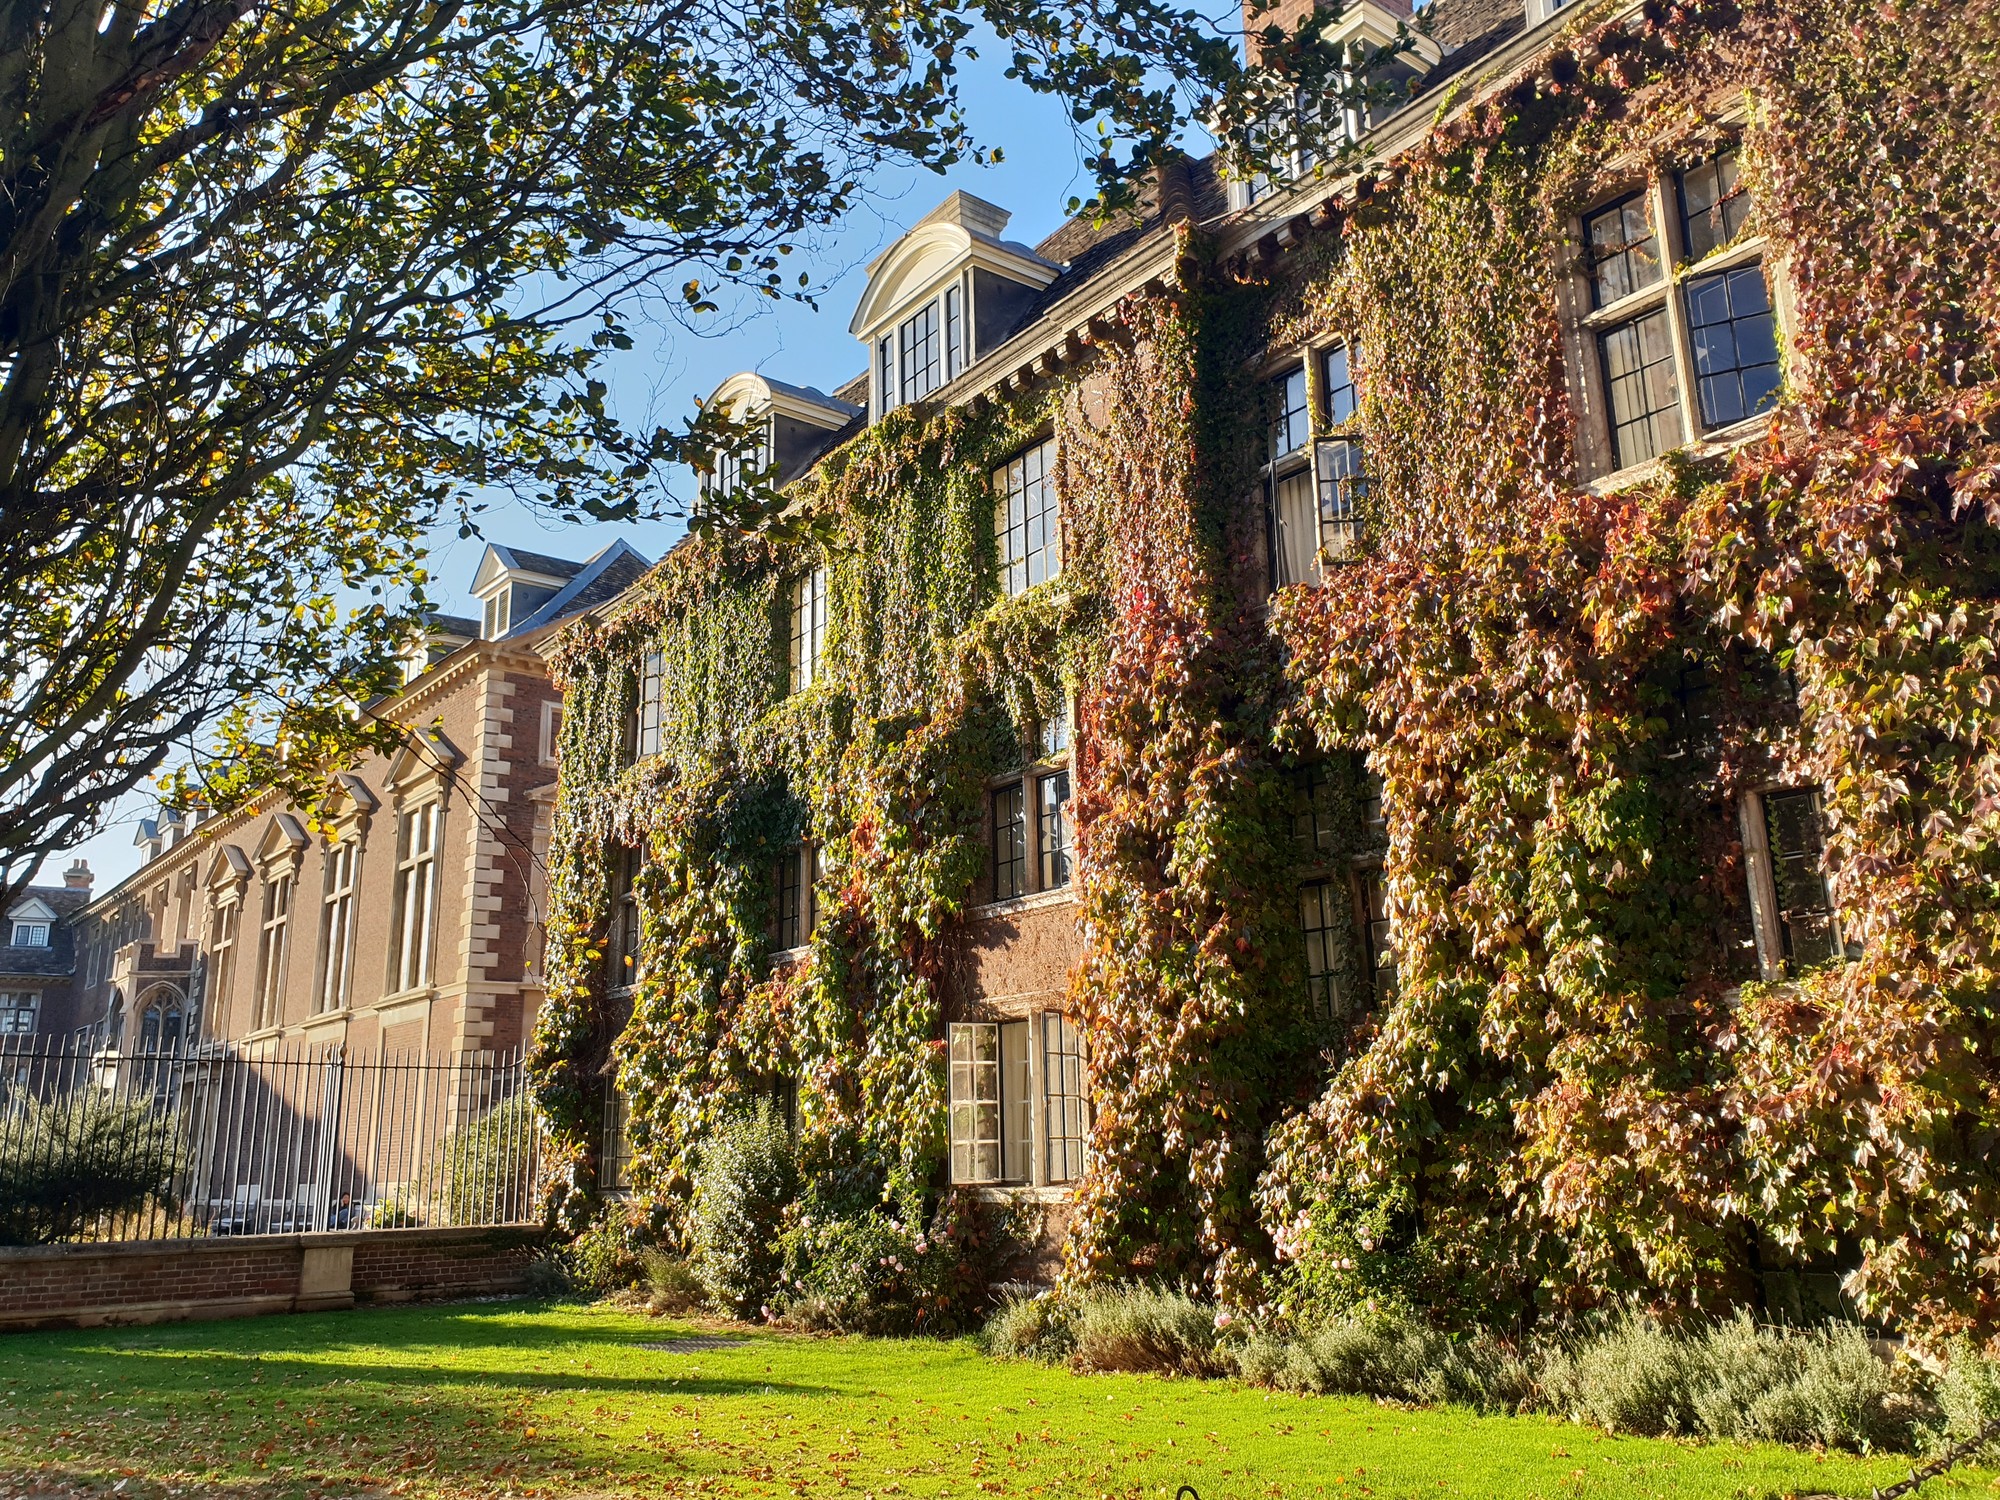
{"type": "Point", "coordinates": [77, 877]}
{"type": "Point", "coordinates": [1174, 186]}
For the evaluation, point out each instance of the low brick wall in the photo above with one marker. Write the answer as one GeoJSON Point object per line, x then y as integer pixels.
{"type": "Point", "coordinates": [87, 1286]}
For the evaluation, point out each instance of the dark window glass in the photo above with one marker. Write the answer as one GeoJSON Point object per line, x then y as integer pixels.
{"type": "Point", "coordinates": [1372, 817]}
{"type": "Point", "coordinates": [1052, 827]}
{"type": "Point", "coordinates": [1798, 851]}
{"type": "Point", "coordinates": [791, 899]}
{"type": "Point", "coordinates": [1624, 255]}
{"type": "Point", "coordinates": [1325, 928]}
{"type": "Point", "coordinates": [1010, 842]}
{"type": "Point", "coordinates": [885, 372]}
{"type": "Point", "coordinates": [1381, 938]}
{"type": "Point", "coordinates": [1714, 206]}
{"type": "Point", "coordinates": [622, 953]}
{"type": "Point", "coordinates": [1065, 1115]}
{"type": "Point", "coordinates": [1291, 423]}
{"type": "Point", "coordinates": [920, 354]}
{"type": "Point", "coordinates": [954, 333]}
{"type": "Point", "coordinates": [1313, 812]}
{"type": "Point", "coordinates": [1639, 372]}
{"type": "Point", "coordinates": [1340, 394]}
{"type": "Point", "coordinates": [1735, 344]}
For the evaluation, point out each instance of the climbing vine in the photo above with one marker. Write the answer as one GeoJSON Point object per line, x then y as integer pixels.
{"type": "Point", "coordinates": [1577, 1089]}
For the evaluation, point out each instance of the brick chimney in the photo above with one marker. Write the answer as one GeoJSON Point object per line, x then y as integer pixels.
{"type": "Point", "coordinates": [1287, 14]}
{"type": "Point", "coordinates": [1174, 189]}
{"type": "Point", "coordinates": [77, 877]}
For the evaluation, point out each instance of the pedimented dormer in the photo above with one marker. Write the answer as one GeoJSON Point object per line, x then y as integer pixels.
{"type": "Point", "coordinates": [942, 296]}
{"type": "Point", "coordinates": [512, 584]}
{"type": "Point", "coordinates": [791, 425]}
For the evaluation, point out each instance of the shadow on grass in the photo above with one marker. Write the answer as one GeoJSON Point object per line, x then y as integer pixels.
{"type": "Point", "coordinates": [324, 1349]}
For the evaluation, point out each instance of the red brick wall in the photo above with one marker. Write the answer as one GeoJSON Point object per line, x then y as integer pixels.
{"type": "Point", "coordinates": [51, 1286]}
{"type": "Point", "coordinates": [403, 1266]}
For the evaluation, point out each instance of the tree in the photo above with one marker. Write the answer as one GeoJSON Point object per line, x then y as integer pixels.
{"type": "Point", "coordinates": [284, 282]}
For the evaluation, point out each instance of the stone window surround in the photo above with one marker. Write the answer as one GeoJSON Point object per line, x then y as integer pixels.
{"type": "Point", "coordinates": [1029, 1036]}
{"type": "Point", "coordinates": [1029, 778]}
{"type": "Point", "coordinates": [1584, 323]}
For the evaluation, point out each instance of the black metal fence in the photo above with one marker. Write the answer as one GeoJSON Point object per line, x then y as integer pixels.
{"type": "Point", "coordinates": [100, 1144]}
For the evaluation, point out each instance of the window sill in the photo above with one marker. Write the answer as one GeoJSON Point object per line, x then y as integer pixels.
{"type": "Point", "coordinates": [788, 957]}
{"type": "Point", "coordinates": [1018, 1192]}
{"type": "Point", "coordinates": [1033, 901]}
{"type": "Point", "coordinates": [404, 997]}
{"type": "Point", "coordinates": [1716, 444]}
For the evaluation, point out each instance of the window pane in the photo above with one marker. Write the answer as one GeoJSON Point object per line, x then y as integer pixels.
{"type": "Point", "coordinates": [1340, 393]}
{"type": "Point", "coordinates": [1053, 828]}
{"type": "Point", "coordinates": [919, 354]}
{"type": "Point", "coordinates": [954, 334]}
{"type": "Point", "coordinates": [974, 1115]}
{"type": "Point", "coordinates": [1343, 485]}
{"type": "Point", "coordinates": [808, 633]}
{"type": "Point", "coordinates": [1714, 206]}
{"type": "Point", "coordinates": [1313, 811]}
{"type": "Point", "coordinates": [1027, 524]}
{"type": "Point", "coordinates": [1010, 842]}
{"type": "Point", "coordinates": [1065, 1117]}
{"type": "Point", "coordinates": [1624, 255]}
{"type": "Point", "coordinates": [1295, 519]}
{"type": "Point", "coordinates": [1735, 344]}
{"type": "Point", "coordinates": [1639, 373]}
{"type": "Point", "coordinates": [1798, 851]}
{"type": "Point", "coordinates": [885, 372]}
{"type": "Point", "coordinates": [1326, 933]}
{"type": "Point", "coordinates": [1291, 423]}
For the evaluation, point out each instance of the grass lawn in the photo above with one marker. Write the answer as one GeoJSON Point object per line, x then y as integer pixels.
{"type": "Point", "coordinates": [528, 1398]}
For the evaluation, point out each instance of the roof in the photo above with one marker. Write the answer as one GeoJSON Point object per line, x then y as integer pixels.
{"type": "Point", "coordinates": [603, 578]}
{"type": "Point", "coordinates": [537, 562]}
{"type": "Point", "coordinates": [59, 957]}
{"type": "Point", "coordinates": [443, 624]}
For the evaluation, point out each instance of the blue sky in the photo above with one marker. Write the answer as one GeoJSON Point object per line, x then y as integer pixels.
{"type": "Point", "coordinates": [659, 380]}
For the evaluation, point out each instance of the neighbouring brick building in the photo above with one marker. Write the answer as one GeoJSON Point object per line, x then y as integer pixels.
{"type": "Point", "coordinates": [404, 913]}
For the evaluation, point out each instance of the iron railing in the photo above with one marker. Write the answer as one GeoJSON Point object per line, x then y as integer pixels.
{"type": "Point", "coordinates": [217, 1139]}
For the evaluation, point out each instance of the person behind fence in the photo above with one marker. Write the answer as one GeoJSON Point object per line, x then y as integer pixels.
{"type": "Point", "coordinates": [341, 1215]}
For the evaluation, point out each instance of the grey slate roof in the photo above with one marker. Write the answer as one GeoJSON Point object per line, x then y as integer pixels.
{"type": "Point", "coordinates": [60, 956]}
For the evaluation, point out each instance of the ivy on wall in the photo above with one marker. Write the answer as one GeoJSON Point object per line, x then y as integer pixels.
{"type": "Point", "coordinates": [1574, 1092]}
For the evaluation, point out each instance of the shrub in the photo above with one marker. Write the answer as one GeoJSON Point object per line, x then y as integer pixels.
{"type": "Point", "coordinates": [64, 1166]}
{"type": "Point", "coordinates": [671, 1283]}
{"type": "Point", "coordinates": [1393, 1356]}
{"type": "Point", "coordinates": [1140, 1328]}
{"type": "Point", "coordinates": [748, 1177]}
{"type": "Point", "coordinates": [1824, 1387]}
{"type": "Point", "coordinates": [485, 1169]}
{"type": "Point", "coordinates": [604, 1258]}
{"type": "Point", "coordinates": [1031, 1324]}
{"type": "Point", "coordinates": [1968, 1394]}
{"type": "Point", "coordinates": [1625, 1374]}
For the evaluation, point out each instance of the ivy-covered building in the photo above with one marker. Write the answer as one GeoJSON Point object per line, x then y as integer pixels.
{"type": "Point", "coordinates": [1419, 728]}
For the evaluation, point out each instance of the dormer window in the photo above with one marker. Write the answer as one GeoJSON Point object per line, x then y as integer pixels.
{"type": "Point", "coordinates": [1364, 29]}
{"type": "Point", "coordinates": [941, 297]}
{"type": "Point", "coordinates": [788, 426]}
{"type": "Point", "coordinates": [512, 584]}
{"type": "Point", "coordinates": [927, 350]}
{"type": "Point", "coordinates": [31, 934]}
